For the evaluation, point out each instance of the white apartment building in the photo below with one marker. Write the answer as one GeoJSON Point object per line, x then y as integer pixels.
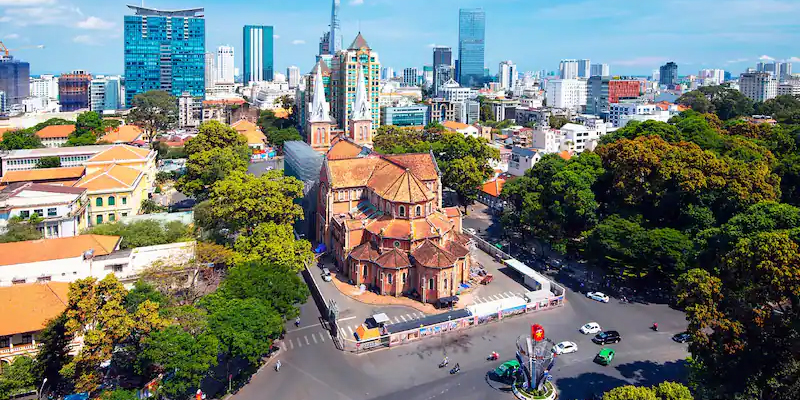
{"type": "Point", "coordinates": [44, 86]}
{"type": "Point", "coordinates": [577, 138]}
{"type": "Point", "coordinates": [105, 94]}
{"type": "Point", "coordinates": [712, 76]}
{"type": "Point", "coordinates": [758, 86]}
{"type": "Point", "coordinates": [522, 159]}
{"type": "Point", "coordinates": [293, 76]}
{"type": "Point", "coordinates": [584, 68]}
{"type": "Point", "coordinates": [616, 111]}
{"type": "Point", "coordinates": [410, 76]}
{"type": "Point", "coordinates": [599, 70]}
{"type": "Point", "coordinates": [226, 72]}
{"type": "Point", "coordinates": [63, 209]}
{"type": "Point", "coordinates": [265, 95]}
{"type": "Point", "coordinates": [566, 93]}
{"type": "Point", "coordinates": [211, 71]}
{"type": "Point", "coordinates": [545, 139]}
{"type": "Point", "coordinates": [508, 75]}
{"type": "Point", "coordinates": [568, 69]}
{"type": "Point", "coordinates": [452, 91]}
{"type": "Point", "coordinates": [189, 111]}
{"type": "Point", "coordinates": [531, 102]}
{"type": "Point", "coordinates": [789, 88]}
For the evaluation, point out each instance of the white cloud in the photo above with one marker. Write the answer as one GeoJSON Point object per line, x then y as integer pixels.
{"type": "Point", "coordinates": [5, 19]}
{"type": "Point", "coordinates": [11, 36]}
{"type": "Point", "coordinates": [298, 41]}
{"type": "Point", "coordinates": [641, 62]}
{"type": "Point", "coordinates": [794, 59]}
{"type": "Point", "coordinates": [276, 36]}
{"type": "Point", "coordinates": [95, 23]}
{"type": "Point", "coordinates": [737, 61]}
{"type": "Point", "coordinates": [87, 40]}
{"type": "Point", "coordinates": [766, 58]}
{"type": "Point", "coordinates": [356, 2]}
{"type": "Point", "coordinates": [11, 3]}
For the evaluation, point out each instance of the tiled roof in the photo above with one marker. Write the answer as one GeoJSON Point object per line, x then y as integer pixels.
{"type": "Point", "coordinates": [453, 125]}
{"type": "Point", "coordinates": [393, 258]}
{"type": "Point", "coordinates": [56, 249]}
{"type": "Point", "coordinates": [343, 149]}
{"type": "Point", "coordinates": [223, 102]}
{"type": "Point", "coordinates": [114, 177]}
{"type": "Point", "coordinates": [15, 189]}
{"type": "Point", "coordinates": [421, 164]}
{"type": "Point", "coordinates": [43, 174]}
{"type": "Point", "coordinates": [452, 212]}
{"type": "Point", "coordinates": [365, 252]}
{"type": "Point", "coordinates": [123, 134]}
{"type": "Point", "coordinates": [432, 256]}
{"type": "Point", "coordinates": [244, 125]}
{"type": "Point", "coordinates": [565, 155]}
{"type": "Point", "coordinates": [56, 131]}
{"type": "Point", "coordinates": [405, 188]}
{"type": "Point", "coordinates": [433, 226]}
{"type": "Point", "coordinates": [494, 187]}
{"type": "Point", "coordinates": [358, 43]}
{"type": "Point", "coordinates": [353, 172]}
{"type": "Point", "coordinates": [121, 152]}
{"type": "Point", "coordinates": [456, 248]}
{"type": "Point", "coordinates": [254, 137]}
{"type": "Point", "coordinates": [28, 307]}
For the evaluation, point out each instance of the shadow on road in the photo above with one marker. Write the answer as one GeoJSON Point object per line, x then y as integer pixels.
{"type": "Point", "coordinates": [584, 386]}
{"type": "Point", "coordinates": [648, 373]}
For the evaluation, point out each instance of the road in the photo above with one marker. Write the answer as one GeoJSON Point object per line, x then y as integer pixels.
{"type": "Point", "coordinates": [315, 370]}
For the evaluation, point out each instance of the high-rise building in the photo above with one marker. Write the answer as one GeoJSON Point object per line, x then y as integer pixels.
{"type": "Point", "coordinates": [410, 76]}
{"type": "Point", "coordinates": [507, 75]}
{"type": "Point", "coordinates": [335, 37]}
{"type": "Point", "coordinates": [584, 68]}
{"type": "Point", "coordinates": [73, 90]}
{"type": "Point", "coordinates": [668, 74]}
{"type": "Point", "coordinates": [343, 81]}
{"type": "Point", "coordinates": [566, 93]}
{"type": "Point", "coordinates": [758, 86]}
{"type": "Point", "coordinates": [441, 75]}
{"type": "Point", "coordinates": [712, 76]}
{"type": "Point", "coordinates": [568, 69]}
{"type": "Point", "coordinates": [45, 86]}
{"type": "Point", "coordinates": [105, 93]}
{"type": "Point", "coordinates": [785, 71]}
{"type": "Point", "coordinates": [427, 76]}
{"type": "Point", "coordinates": [602, 91]}
{"type": "Point", "coordinates": [471, 46]}
{"type": "Point", "coordinates": [442, 56]}
{"type": "Point", "coordinates": [225, 64]}
{"type": "Point", "coordinates": [387, 73]}
{"type": "Point", "coordinates": [164, 50]}
{"type": "Point", "coordinates": [293, 76]}
{"type": "Point", "coordinates": [14, 80]}
{"type": "Point", "coordinates": [3, 103]}
{"type": "Point", "coordinates": [599, 70]}
{"type": "Point", "coordinates": [325, 43]}
{"type": "Point", "coordinates": [258, 53]}
{"type": "Point", "coordinates": [211, 71]}
{"type": "Point", "coordinates": [189, 111]}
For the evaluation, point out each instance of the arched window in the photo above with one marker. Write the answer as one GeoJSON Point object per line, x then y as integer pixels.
{"type": "Point", "coordinates": [418, 211]}
{"type": "Point", "coordinates": [404, 277]}
{"type": "Point", "coordinates": [402, 211]}
{"type": "Point", "coordinates": [389, 278]}
{"type": "Point", "coordinates": [99, 202]}
{"type": "Point", "coordinates": [445, 283]}
{"type": "Point", "coordinates": [112, 201]}
{"type": "Point", "coordinates": [365, 271]}
{"type": "Point", "coordinates": [430, 284]}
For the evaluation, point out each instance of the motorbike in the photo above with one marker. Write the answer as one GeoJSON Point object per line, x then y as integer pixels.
{"type": "Point", "coordinates": [655, 327]}
{"type": "Point", "coordinates": [455, 370]}
{"type": "Point", "coordinates": [444, 363]}
{"type": "Point", "coordinates": [493, 357]}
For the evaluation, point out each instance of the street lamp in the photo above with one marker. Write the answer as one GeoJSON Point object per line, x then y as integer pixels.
{"type": "Point", "coordinates": [39, 395]}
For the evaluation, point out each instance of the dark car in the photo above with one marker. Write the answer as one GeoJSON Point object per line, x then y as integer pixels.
{"type": "Point", "coordinates": [606, 337]}
{"type": "Point", "coordinates": [682, 337]}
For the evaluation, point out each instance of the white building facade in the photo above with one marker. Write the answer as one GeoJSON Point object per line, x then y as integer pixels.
{"type": "Point", "coordinates": [566, 93]}
{"type": "Point", "coordinates": [758, 86]}
{"type": "Point", "coordinates": [599, 70]}
{"type": "Point", "coordinates": [226, 72]}
{"type": "Point", "coordinates": [63, 209]}
{"type": "Point", "coordinates": [507, 75]}
{"type": "Point", "coordinates": [293, 77]}
{"type": "Point", "coordinates": [568, 69]}
{"type": "Point", "coordinates": [410, 76]}
{"type": "Point", "coordinates": [44, 86]}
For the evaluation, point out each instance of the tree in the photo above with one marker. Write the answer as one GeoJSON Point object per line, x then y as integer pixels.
{"type": "Point", "coordinates": [20, 230]}
{"type": "Point", "coordinates": [149, 206]}
{"type": "Point", "coordinates": [88, 127]}
{"type": "Point", "coordinates": [21, 139]}
{"type": "Point", "coordinates": [465, 177]}
{"type": "Point", "coordinates": [145, 233]}
{"type": "Point", "coordinates": [141, 292]}
{"type": "Point", "coordinates": [277, 137]}
{"type": "Point", "coordinates": [188, 357]}
{"type": "Point", "coordinates": [18, 377]}
{"type": "Point", "coordinates": [273, 243]}
{"type": "Point", "coordinates": [245, 328]}
{"type": "Point", "coordinates": [53, 355]}
{"type": "Point", "coordinates": [697, 101]}
{"type": "Point", "coordinates": [242, 201]}
{"type": "Point", "coordinates": [119, 394]}
{"type": "Point", "coordinates": [154, 111]}
{"type": "Point", "coordinates": [214, 153]}
{"type": "Point", "coordinates": [49, 162]}
{"type": "Point", "coordinates": [558, 121]}
{"type": "Point", "coordinates": [727, 103]}
{"type": "Point", "coordinates": [662, 391]}
{"type": "Point", "coordinates": [276, 285]}
{"type": "Point", "coordinates": [212, 135]}
{"type": "Point", "coordinates": [390, 139]}
{"type": "Point", "coordinates": [785, 109]}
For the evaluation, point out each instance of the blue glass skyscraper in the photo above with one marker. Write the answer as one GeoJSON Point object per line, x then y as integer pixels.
{"type": "Point", "coordinates": [258, 53]}
{"type": "Point", "coordinates": [471, 46]}
{"type": "Point", "coordinates": [164, 50]}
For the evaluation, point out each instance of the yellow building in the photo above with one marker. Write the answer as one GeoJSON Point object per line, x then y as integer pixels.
{"type": "Point", "coordinates": [256, 139]}
{"type": "Point", "coordinates": [118, 180]}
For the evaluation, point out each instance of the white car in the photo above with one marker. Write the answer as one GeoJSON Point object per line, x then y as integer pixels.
{"type": "Point", "coordinates": [599, 296]}
{"type": "Point", "coordinates": [565, 348]}
{"type": "Point", "coordinates": [591, 328]}
{"type": "Point", "coordinates": [471, 231]}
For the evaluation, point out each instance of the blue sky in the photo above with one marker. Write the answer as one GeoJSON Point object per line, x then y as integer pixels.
{"type": "Point", "coordinates": [633, 36]}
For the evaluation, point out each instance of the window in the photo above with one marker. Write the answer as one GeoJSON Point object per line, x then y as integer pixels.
{"type": "Point", "coordinates": [389, 278]}
{"type": "Point", "coordinates": [445, 283]}
{"type": "Point", "coordinates": [404, 277]}
{"type": "Point", "coordinates": [418, 211]}
{"type": "Point", "coordinates": [18, 281]}
{"type": "Point", "coordinates": [99, 202]}
{"type": "Point", "coordinates": [25, 214]}
{"type": "Point", "coordinates": [396, 243]}
{"type": "Point", "coordinates": [124, 201]}
{"type": "Point", "coordinates": [39, 212]}
{"type": "Point", "coordinates": [430, 284]}
{"type": "Point", "coordinates": [365, 271]}
{"type": "Point", "coordinates": [341, 195]}
{"type": "Point", "coordinates": [52, 212]}
{"type": "Point", "coordinates": [117, 267]}
{"type": "Point", "coordinates": [112, 217]}
{"type": "Point", "coordinates": [112, 201]}
{"type": "Point", "coordinates": [43, 279]}
{"type": "Point", "coordinates": [27, 338]}
{"type": "Point", "coordinates": [99, 219]}
{"type": "Point", "coordinates": [402, 211]}
{"type": "Point", "coordinates": [124, 215]}
{"type": "Point", "coordinates": [5, 341]}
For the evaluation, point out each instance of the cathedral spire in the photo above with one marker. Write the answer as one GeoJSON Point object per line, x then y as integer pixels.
{"type": "Point", "coordinates": [362, 110]}
{"type": "Point", "coordinates": [320, 111]}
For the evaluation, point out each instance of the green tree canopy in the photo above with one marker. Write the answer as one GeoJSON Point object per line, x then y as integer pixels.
{"type": "Point", "coordinates": [727, 103]}
{"type": "Point", "coordinates": [53, 355]}
{"type": "Point", "coordinates": [21, 139]}
{"type": "Point", "coordinates": [662, 391]}
{"type": "Point", "coordinates": [277, 285]}
{"type": "Point", "coordinates": [154, 111]}
{"type": "Point", "coordinates": [49, 162]}
{"type": "Point", "coordinates": [245, 328]}
{"type": "Point", "coordinates": [88, 127]}
{"type": "Point", "coordinates": [18, 377]}
{"type": "Point", "coordinates": [189, 357]}
{"type": "Point", "coordinates": [215, 152]}
{"type": "Point", "coordinates": [273, 243]}
{"type": "Point", "coordinates": [145, 233]}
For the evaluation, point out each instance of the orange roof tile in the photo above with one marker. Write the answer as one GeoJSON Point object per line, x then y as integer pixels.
{"type": "Point", "coordinates": [6, 129]}
{"type": "Point", "coordinates": [565, 155]}
{"type": "Point", "coordinates": [56, 131]}
{"type": "Point", "coordinates": [421, 164]}
{"type": "Point", "coordinates": [405, 188]}
{"type": "Point", "coordinates": [254, 137]}
{"type": "Point", "coordinates": [365, 252]}
{"type": "Point", "coordinates": [114, 177]}
{"type": "Point", "coordinates": [56, 249]}
{"type": "Point", "coordinates": [394, 259]}
{"type": "Point", "coordinates": [456, 248]}
{"type": "Point", "coordinates": [43, 174]}
{"type": "Point", "coordinates": [343, 149]}
{"type": "Point", "coordinates": [494, 187]}
{"type": "Point", "coordinates": [453, 125]}
{"type": "Point", "coordinates": [121, 152]}
{"type": "Point", "coordinates": [351, 173]}
{"type": "Point", "coordinates": [452, 212]}
{"type": "Point", "coordinates": [431, 255]}
{"type": "Point", "coordinates": [28, 307]}
{"type": "Point", "coordinates": [223, 102]}
{"type": "Point", "coordinates": [244, 125]}
{"type": "Point", "coordinates": [123, 134]}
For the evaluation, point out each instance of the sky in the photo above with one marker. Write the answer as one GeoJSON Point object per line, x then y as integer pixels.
{"type": "Point", "coordinates": [632, 36]}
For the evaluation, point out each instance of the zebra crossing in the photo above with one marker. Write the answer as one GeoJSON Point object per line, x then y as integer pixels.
{"type": "Point", "coordinates": [309, 339]}
{"type": "Point", "coordinates": [347, 331]}
{"type": "Point", "coordinates": [495, 297]}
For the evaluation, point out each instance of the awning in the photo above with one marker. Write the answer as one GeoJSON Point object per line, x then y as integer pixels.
{"type": "Point", "coordinates": [448, 300]}
{"type": "Point", "coordinates": [380, 318]}
{"type": "Point", "coordinates": [363, 333]}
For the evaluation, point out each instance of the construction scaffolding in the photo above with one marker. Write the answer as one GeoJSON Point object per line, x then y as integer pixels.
{"type": "Point", "coordinates": [304, 163]}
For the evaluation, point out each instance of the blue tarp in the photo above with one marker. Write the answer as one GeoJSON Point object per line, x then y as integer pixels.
{"type": "Point", "coordinates": [320, 248]}
{"type": "Point", "coordinates": [77, 396]}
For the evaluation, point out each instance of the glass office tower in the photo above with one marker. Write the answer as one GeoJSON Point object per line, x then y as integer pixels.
{"type": "Point", "coordinates": [258, 54]}
{"type": "Point", "coordinates": [471, 46]}
{"type": "Point", "coordinates": [164, 50]}
{"type": "Point", "coordinates": [14, 79]}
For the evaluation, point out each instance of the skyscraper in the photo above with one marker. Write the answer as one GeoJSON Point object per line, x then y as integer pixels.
{"type": "Point", "coordinates": [668, 74]}
{"type": "Point", "coordinates": [335, 39]}
{"type": "Point", "coordinates": [584, 68]}
{"type": "Point", "coordinates": [293, 76]}
{"type": "Point", "coordinates": [325, 43]}
{"type": "Point", "coordinates": [471, 46]}
{"type": "Point", "coordinates": [211, 71]}
{"type": "Point", "coordinates": [343, 81]}
{"type": "Point", "coordinates": [410, 76]}
{"type": "Point", "coordinates": [164, 50]}
{"type": "Point", "coordinates": [14, 79]}
{"type": "Point", "coordinates": [258, 53]}
{"type": "Point", "coordinates": [442, 56]}
{"type": "Point", "coordinates": [105, 93]}
{"type": "Point", "coordinates": [507, 75]}
{"type": "Point", "coordinates": [225, 64]}
{"type": "Point", "coordinates": [568, 69]}
{"type": "Point", "coordinates": [599, 70]}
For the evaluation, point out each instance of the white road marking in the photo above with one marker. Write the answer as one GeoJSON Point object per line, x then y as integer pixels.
{"type": "Point", "coordinates": [344, 333]}
{"type": "Point", "coordinates": [350, 329]}
{"type": "Point", "coordinates": [510, 294]}
{"type": "Point", "coordinates": [299, 343]}
{"type": "Point", "coordinates": [494, 297]}
{"type": "Point", "coordinates": [291, 345]}
{"type": "Point", "coordinates": [403, 318]}
{"type": "Point", "coordinates": [502, 295]}
{"type": "Point", "coordinates": [306, 338]}
{"type": "Point", "coordinates": [313, 336]}
{"type": "Point", "coordinates": [396, 320]}
{"type": "Point", "coordinates": [330, 335]}
{"type": "Point", "coordinates": [346, 319]}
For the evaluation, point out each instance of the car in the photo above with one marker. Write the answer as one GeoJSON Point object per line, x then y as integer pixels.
{"type": "Point", "coordinates": [605, 356]}
{"type": "Point", "coordinates": [471, 231]}
{"type": "Point", "coordinates": [555, 263]}
{"type": "Point", "coordinates": [682, 337]}
{"type": "Point", "coordinates": [507, 370]}
{"type": "Point", "coordinates": [565, 348]}
{"type": "Point", "coordinates": [606, 337]}
{"type": "Point", "coordinates": [591, 328]}
{"type": "Point", "coordinates": [326, 275]}
{"type": "Point", "coordinates": [599, 296]}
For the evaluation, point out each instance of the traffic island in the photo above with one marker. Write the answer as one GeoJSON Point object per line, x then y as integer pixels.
{"type": "Point", "coordinates": [549, 392]}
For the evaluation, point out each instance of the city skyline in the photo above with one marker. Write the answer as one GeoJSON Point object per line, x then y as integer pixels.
{"type": "Point", "coordinates": [730, 38]}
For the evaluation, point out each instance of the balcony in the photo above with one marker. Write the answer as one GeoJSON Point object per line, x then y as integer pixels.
{"type": "Point", "coordinates": [20, 349]}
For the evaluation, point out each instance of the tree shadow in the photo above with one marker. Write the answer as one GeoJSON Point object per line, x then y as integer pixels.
{"type": "Point", "coordinates": [649, 373]}
{"type": "Point", "coordinates": [585, 386]}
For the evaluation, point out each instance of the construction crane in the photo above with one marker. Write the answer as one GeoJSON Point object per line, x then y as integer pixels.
{"type": "Point", "coordinates": [5, 50]}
